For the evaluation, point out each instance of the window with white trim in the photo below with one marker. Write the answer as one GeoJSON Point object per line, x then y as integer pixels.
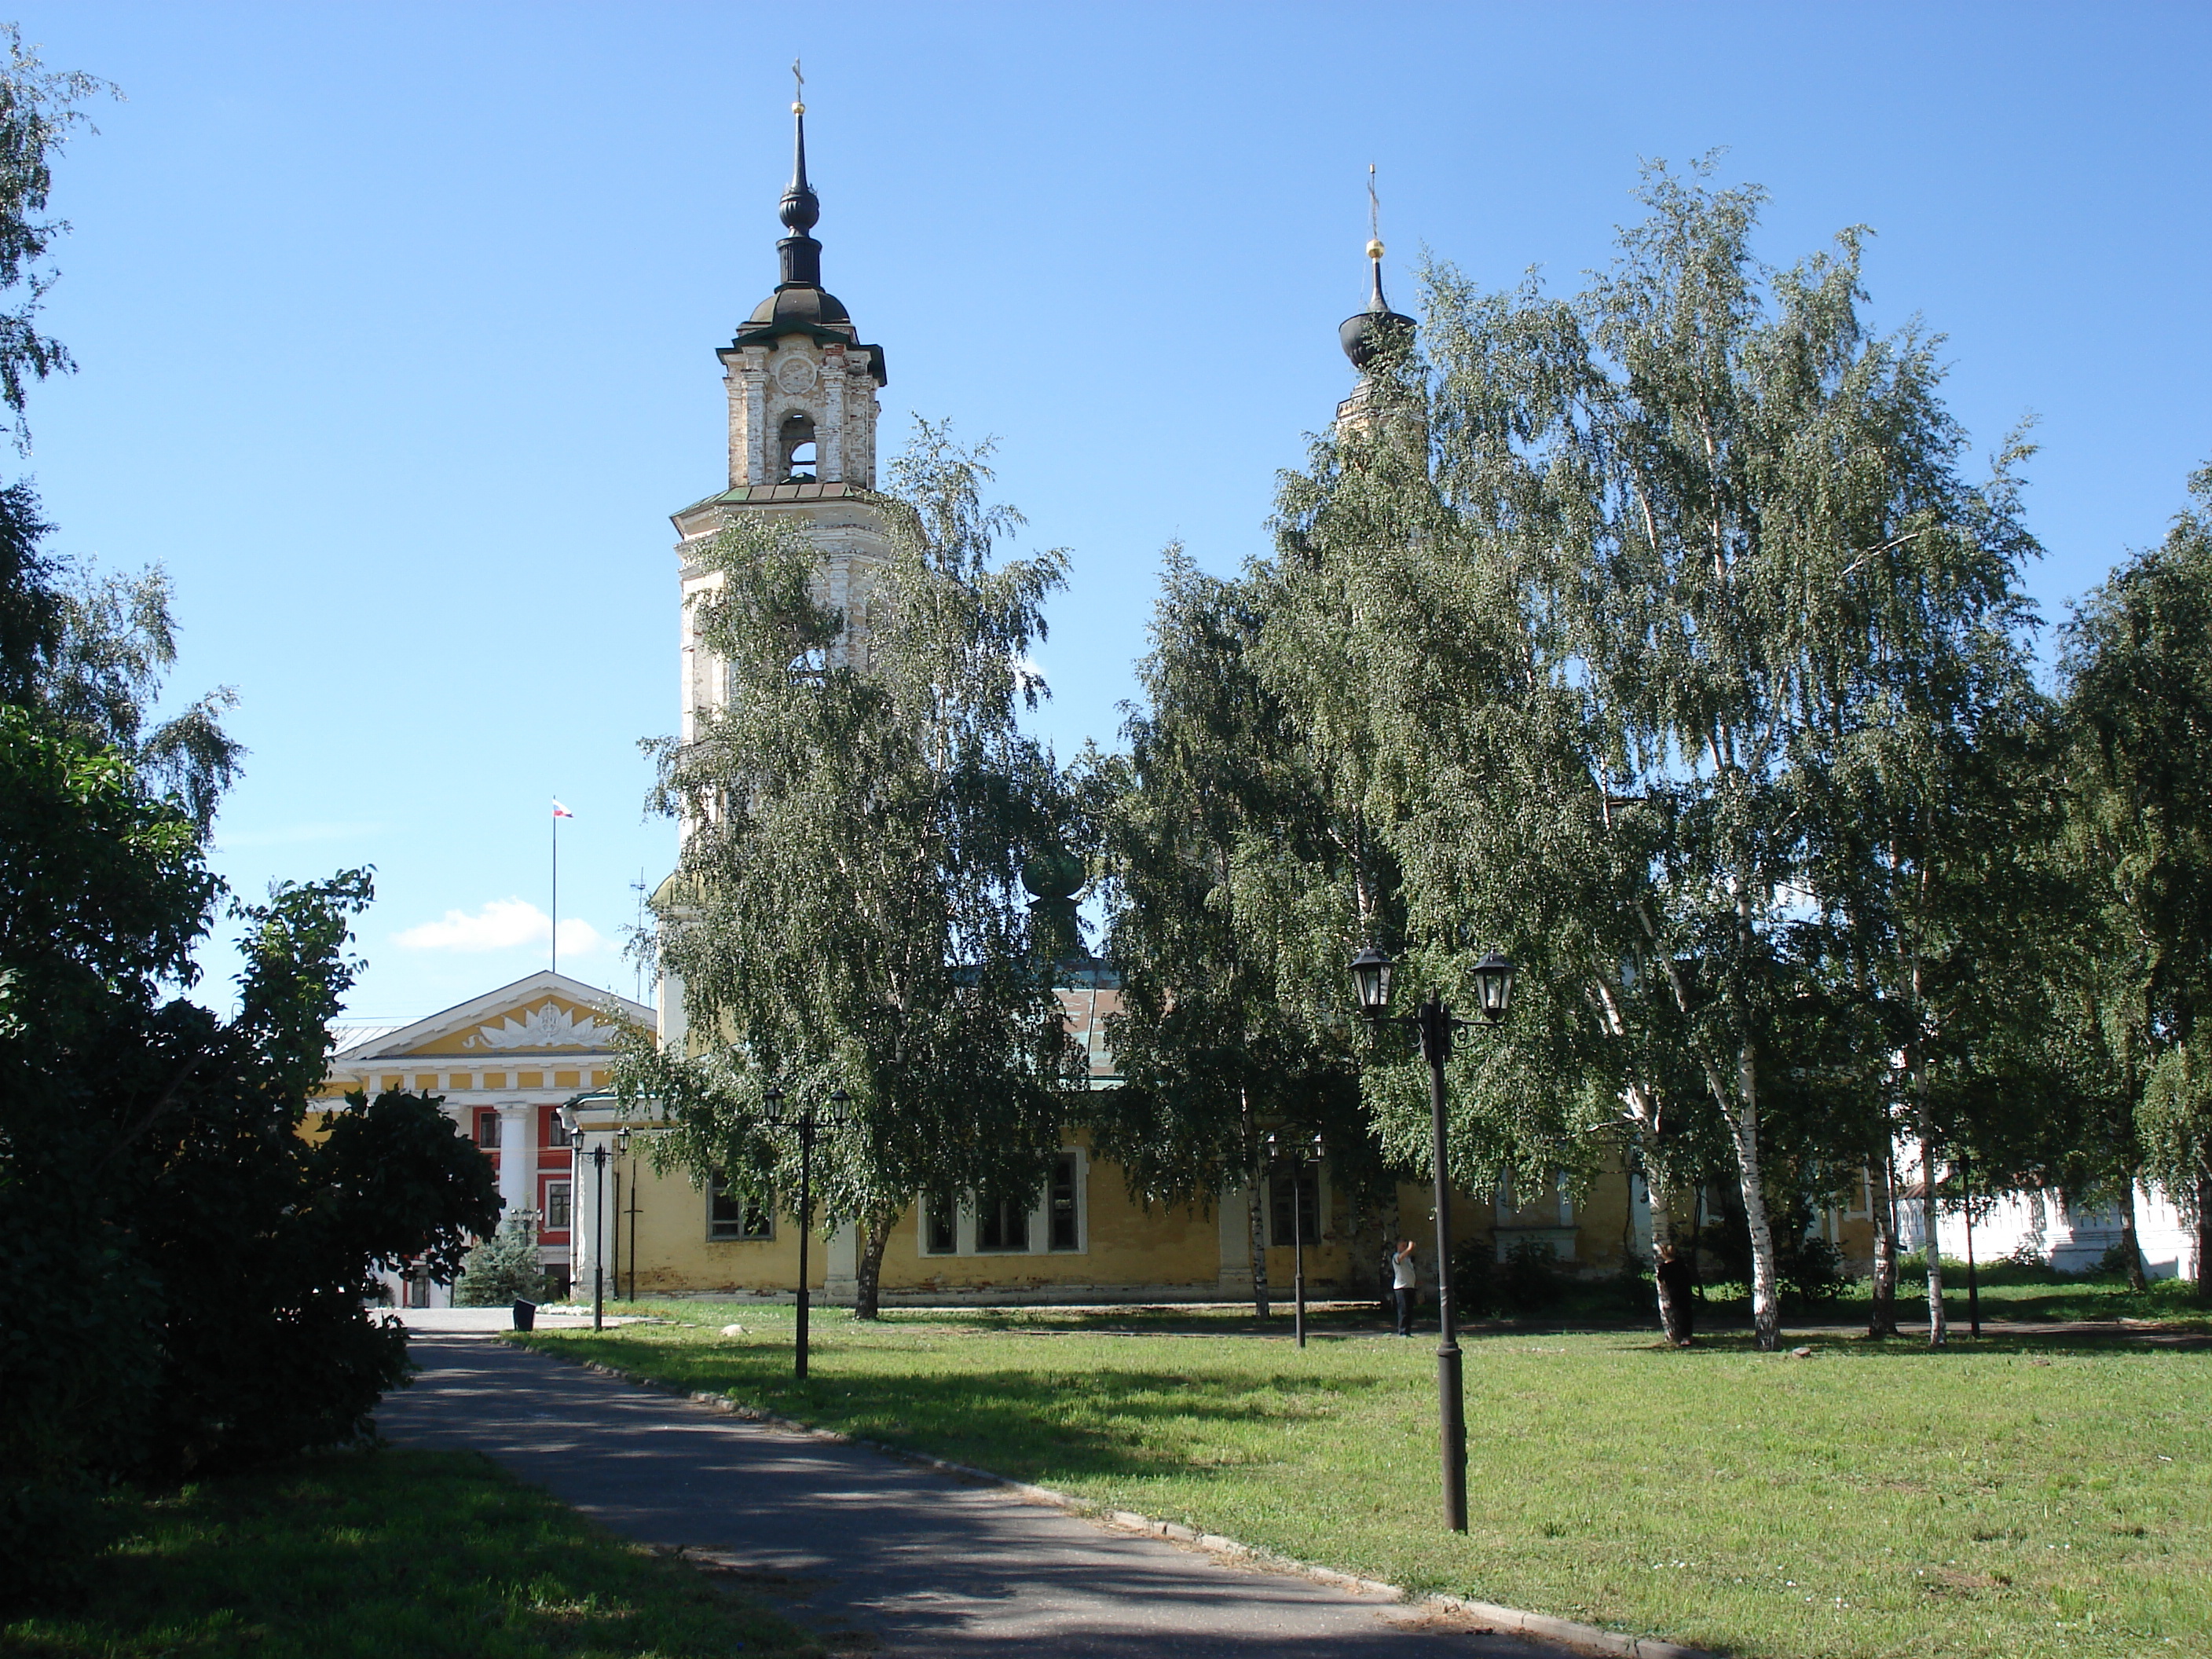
{"type": "Point", "coordinates": [1063, 1212]}
{"type": "Point", "coordinates": [1002, 1223]}
{"type": "Point", "coordinates": [556, 1206]}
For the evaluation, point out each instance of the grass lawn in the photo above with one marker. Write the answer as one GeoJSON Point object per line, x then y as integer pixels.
{"type": "Point", "coordinates": [386, 1553]}
{"type": "Point", "coordinates": [2013, 1496]}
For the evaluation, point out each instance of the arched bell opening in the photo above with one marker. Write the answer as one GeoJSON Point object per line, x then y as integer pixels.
{"type": "Point", "coordinates": [796, 441]}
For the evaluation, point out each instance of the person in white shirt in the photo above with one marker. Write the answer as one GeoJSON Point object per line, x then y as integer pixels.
{"type": "Point", "coordinates": [1403, 1280]}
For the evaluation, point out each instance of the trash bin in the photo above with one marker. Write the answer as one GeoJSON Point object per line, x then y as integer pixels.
{"type": "Point", "coordinates": [525, 1315]}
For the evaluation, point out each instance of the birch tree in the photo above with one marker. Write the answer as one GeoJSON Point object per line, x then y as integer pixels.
{"type": "Point", "coordinates": [2138, 695]}
{"type": "Point", "coordinates": [1214, 1046]}
{"type": "Point", "coordinates": [848, 911]}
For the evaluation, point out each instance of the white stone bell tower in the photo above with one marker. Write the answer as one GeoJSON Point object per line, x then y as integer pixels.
{"type": "Point", "coordinates": [802, 440]}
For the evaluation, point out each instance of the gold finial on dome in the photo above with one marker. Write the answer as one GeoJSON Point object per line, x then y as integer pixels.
{"type": "Point", "coordinates": [1374, 247]}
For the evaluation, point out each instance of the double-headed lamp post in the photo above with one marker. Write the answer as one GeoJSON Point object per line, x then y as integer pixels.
{"type": "Point", "coordinates": [1297, 1156]}
{"type": "Point", "coordinates": [1371, 974]}
{"type": "Point", "coordinates": [808, 1124]}
{"type": "Point", "coordinates": [598, 1155]}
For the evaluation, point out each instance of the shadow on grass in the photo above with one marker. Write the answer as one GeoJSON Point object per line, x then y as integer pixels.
{"type": "Point", "coordinates": [1015, 1420]}
{"type": "Point", "coordinates": [384, 1552]}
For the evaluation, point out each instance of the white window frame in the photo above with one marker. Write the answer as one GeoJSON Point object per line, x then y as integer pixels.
{"type": "Point", "coordinates": [967, 1224]}
{"type": "Point", "coordinates": [566, 1188]}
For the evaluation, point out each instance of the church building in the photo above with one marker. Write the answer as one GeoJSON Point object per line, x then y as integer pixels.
{"type": "Point", "coordinates": [802, 423]}
{"type": "Point", "coordinates": [803, 410]}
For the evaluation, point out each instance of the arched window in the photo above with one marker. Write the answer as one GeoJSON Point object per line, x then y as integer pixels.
{"type": "Point", "coordinates": [797, 441]}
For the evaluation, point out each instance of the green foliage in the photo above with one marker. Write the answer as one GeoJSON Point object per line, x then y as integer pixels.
{"type": "Point", "coordinates": [1655, 636]}
{"type": "Point", "coordinates": [848, 911]}
{"type": "Point", "coordinates": [502, 1269]}
{"type": "Point", "coordinates": [2138, 988]}
{"type": "Point", "coordinates": [1217, 825]}
{"type": "Point", "coordinates": [182, 1272]}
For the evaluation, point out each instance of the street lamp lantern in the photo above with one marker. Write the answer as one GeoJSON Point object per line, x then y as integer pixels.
{"type": "Point", "coordinates": [1493, 987]}
{"type": "Point", "coordinates": [597, 1157]}
{"type": "Point", "coordinates": [1297, 1156]}
{"type": "Point", "coordinates": [809, 1123]}
{"type": "Point", "coordinates": [1372, 973]}
{"type": "Point", "coordinates": [1494, 981]}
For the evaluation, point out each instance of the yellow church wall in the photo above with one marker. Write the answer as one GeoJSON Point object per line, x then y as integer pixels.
{"type": "Point", "coordinates": [1169, 1247]}
{"type": "Point", "coordinates": [1604, 1232]}
{"type": "Point", "coordinates": [675, 1255]}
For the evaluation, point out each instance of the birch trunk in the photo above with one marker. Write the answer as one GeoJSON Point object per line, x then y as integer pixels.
{"type": "Point", "coordinates": [1939, 1333]}
{"type": "Point", "coordinates": [1881, 1202]}
{"type": "Point", "coordinates": [1662, 1235]}
{"type": "Point", "coordinates": [1257, 1210]}
{"type": "Point", "coordinates": [1743, 1131]}
{"type": "Point", "coordinates": [2134, 1264]}
{"type": "Point", "coordinates": [868, 1271]}
{"type": "Point", "coordinates": [2204, 1238]}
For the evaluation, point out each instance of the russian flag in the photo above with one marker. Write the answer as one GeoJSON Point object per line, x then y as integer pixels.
{"type": "Point", "coordinates": [561, 811]}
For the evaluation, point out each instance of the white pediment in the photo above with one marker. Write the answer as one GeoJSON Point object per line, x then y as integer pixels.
{"type": "Point", "coordinates": [545, 1012]}
{"type": "Point", "coordinates": [551, 1026]}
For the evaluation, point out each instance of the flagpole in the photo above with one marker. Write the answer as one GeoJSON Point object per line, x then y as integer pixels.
{"type": "Point", "coordinates": [556, 893]}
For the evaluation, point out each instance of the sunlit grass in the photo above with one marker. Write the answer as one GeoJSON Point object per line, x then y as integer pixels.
{"type": "Point", "coordinates": [2008, 1497]}
{"type": "Point", "coordinates": [373, 1555]}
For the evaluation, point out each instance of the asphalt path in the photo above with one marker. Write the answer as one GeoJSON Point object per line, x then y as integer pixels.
{"type": "Point", "coordinates": [880, 1555]}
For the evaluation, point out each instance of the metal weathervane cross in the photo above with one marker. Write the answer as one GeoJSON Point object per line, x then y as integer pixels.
{"type": "Point", "coordinates": [798, 87]}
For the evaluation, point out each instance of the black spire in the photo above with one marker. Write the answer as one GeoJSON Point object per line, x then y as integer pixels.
{"type": "Point", "coordinates": [801, 255]}
{"type": "Point", "coordinates": [799, 304]}
{"type": "Point", "coordinates": [1367, 332]}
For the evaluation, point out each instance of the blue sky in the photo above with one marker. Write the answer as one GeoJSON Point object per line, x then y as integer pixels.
{"type": "Point", "coordinates": [397, 327]}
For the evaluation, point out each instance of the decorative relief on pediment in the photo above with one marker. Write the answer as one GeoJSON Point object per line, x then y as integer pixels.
{"type": "Point", "coordinates": [551, 1026]}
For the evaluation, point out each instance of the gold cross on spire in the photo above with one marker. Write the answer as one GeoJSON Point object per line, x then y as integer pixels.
{"type": "Point", "coordinates": [798, 90]}
{"type": "Point", "coordinates": [1374, 217]}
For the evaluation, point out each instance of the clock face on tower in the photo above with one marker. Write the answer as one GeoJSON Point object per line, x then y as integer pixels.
{"type": "Point", "coordinates": [795, 374]}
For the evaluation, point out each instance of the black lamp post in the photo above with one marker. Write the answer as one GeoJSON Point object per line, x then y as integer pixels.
{"type": "Point", "coordinates": [809, 1124]}
{"type": "Point", "coordinates": [1371, 974]}
{"type": "Point", "coordinates": [599, 1157]}
{"type": "Point", "coordinates": [1296, 1157]}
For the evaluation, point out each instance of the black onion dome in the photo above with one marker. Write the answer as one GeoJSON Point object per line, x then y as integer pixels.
{"type": "Point", "coordinates": [800, 305]}
{"type": "Point", "coordinates": [1055, 873]}
{"type": "Point", "coordinates": [798, 308]}
{"type": "Point", "coordinates": [1365, 335]}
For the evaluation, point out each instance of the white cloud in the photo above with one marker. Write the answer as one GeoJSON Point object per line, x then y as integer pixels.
{"type": "Point", "coordinates": [502, 925]}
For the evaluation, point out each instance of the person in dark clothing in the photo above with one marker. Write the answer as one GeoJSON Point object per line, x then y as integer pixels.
{"type": "Point", "coordinates": [1676, 1278]}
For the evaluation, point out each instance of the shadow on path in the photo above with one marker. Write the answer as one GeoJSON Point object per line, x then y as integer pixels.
{"type": "Point", "coordinates": [909, 1561]}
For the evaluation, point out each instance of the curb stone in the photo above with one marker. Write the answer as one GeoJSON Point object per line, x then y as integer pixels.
{"type": "Point", "coordinates": [1489, 1615]}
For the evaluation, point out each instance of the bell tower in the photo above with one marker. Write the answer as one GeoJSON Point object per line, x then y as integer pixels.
{"type": "Point", "coordinates": [802, 440]}
{"type": "Point", "coordinates": [802, 388]}
{"type": "Point", "coordinates": [1372, 339]}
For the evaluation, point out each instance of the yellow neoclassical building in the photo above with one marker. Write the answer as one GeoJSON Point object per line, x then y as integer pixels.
{"type": "Point", "coordinates": [505, 1063]}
